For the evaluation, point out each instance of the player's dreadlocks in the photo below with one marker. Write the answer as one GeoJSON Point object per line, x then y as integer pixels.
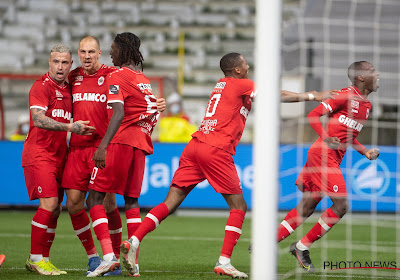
{"type": "Point", "coordinates": [228, 62]}
{"type": "Point", "coordinates": [128, 44]}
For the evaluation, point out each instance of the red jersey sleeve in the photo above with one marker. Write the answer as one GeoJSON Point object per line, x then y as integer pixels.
{"type": "Point", "coordinates": [38, 97]}
{"type": "Point", "coordinates": [115, 92]}
{"type": "Point", "coordinates": [247, 87]}
{"type": "Point", "coordinates": [327, 107]}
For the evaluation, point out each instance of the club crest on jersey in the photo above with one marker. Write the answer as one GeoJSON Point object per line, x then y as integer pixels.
{"type": "Point", "coordinates": [39, 189]}
{"type": "Point", "coordinates": [335, 188]}
{"type": "Point", "coordinates": [367, 114]}
{"type": "Point", "coordinates": [79, 78]}
{"type": "Point", "coordinates": [59, 95]}
{"type": "Point", "coordinates": [355, 106]}
{"type": "Point", "coordinates": [114, 89]}
{"type": "Point", "coordinates": [100, 81]}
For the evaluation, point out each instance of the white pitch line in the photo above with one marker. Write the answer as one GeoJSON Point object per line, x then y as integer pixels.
{"type": "Point", "coordinates": [281, 276]}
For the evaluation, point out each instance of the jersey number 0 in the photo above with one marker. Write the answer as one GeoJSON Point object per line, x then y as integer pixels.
{"type": "Point", "coordinates": [212, 105]}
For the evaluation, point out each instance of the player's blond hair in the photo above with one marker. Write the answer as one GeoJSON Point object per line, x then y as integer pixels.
{"type": "Point", "coordinates": [61, 48]}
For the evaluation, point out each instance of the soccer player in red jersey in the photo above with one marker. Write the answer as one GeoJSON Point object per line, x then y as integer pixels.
{"type": "Point", "coordinates": [208, 155]}
{"type": "Point", "coordinates": [321, 174]}
{"type": "Point", "coordinates": [127, 139]}
{"type": "Point", "coordinates": [45, 152]}
{"type": "Point", "coordinates": [89, 97]}
{"type": "Point", "coordinates": [89, 92]}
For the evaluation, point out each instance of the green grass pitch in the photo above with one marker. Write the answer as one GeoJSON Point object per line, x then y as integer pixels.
{"type": "Point", "coordinates": [185, 247]}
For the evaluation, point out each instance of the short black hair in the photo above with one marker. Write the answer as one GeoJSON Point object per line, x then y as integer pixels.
{"type": "Point", "coordinates": [229, 61]}
{"type": "Point", "coordinates": [355, 69]}
{"type": "Point", "coordinates": [129, 44]}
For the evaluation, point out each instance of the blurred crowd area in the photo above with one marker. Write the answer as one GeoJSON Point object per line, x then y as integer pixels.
{"type": "Point", "coordinates": [320, 38]}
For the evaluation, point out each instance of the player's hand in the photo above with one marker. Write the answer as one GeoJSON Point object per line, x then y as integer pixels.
{"type": "Point", "coordinates": [99, 157]}
{"type": "Point", "coordinates": [322, 95]}
{"type": "Point", "coordinates": [372, 154]}
{"type": "Point", "coordinates": [332, 142]}
{"type": "Point", "coordinates": [161, 105]}
{"type": "Point", "coordinates": [82, 128]}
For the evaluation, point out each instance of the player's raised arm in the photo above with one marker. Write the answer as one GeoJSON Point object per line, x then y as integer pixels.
{"type": "Point", "coordinates": [40, 120]}
{"type": "Point", "coordinates": [290, 96]}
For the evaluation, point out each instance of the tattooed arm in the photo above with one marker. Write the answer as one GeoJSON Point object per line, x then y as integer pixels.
{"type": "Point", "coordinates": [40, 120]}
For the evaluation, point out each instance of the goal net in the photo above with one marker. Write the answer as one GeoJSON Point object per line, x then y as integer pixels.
{"type": "Point", "coordinates": [320, 39]}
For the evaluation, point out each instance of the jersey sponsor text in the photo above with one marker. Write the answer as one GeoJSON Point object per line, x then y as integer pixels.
{"type": "Point", "coordinates": [350, 123]}
{"type": "Point", "coordinates": [89, 96]}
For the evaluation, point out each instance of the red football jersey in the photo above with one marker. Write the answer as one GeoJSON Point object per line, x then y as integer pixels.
{"type": "Point", "coordinates": [133, 89]}
{"type": "Point", "coordinates": [89, 97]}
{"type": "Point", "coordinates": [347, 114]}
{"type": "Point", "coordinates": [226, 113]}
{"type": "Point", "coordinates": [41, 144]}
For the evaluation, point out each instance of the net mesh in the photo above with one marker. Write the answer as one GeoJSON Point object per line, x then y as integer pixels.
{"type": "Point", "coordinates": [320, 40]}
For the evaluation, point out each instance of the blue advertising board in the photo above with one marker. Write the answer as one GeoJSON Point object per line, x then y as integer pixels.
{"type": "Point", "coordinates": [371, 185]}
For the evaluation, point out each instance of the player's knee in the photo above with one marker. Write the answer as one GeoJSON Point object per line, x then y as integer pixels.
{"type": "Point", "coordinates": [340, 207]}
{"type": "Point", "coordinates": [74, 206]}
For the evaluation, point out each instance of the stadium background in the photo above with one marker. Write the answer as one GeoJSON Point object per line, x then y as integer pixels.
{"type": "Point", "coordinates": [320, 38]}
{"type": "Point", "coordinates": [182, 42]}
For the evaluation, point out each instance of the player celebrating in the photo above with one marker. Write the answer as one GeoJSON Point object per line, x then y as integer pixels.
{"type": "Point", "coordinates": [127, 140]}
{"type": "Point", "coordinates": [89, 93]}
{"type": "Point", "coordinates": [209, 156]}
{"type": "Point", "coordinates": [44, 154]}
{"type": "Point", "coordinates": [321, 174]}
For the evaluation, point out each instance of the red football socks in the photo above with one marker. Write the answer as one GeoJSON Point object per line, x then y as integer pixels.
{"type": "Point", "coordinates": [100, 227]}
{"type": "Point", "coordinates": [50, 234]}
{"type": "Point", "coordinates": [289, 224]}
{"type": "Point", "coordinates": [115, 230]}
{"type": "Point", "coordinates": [133, 221]}
{"type": "Point", "coordinates": [81, 225]}
{"type": "Point", "coordinates": [233, 230]}
{"type": "Point", "coordinates": [327, 220]}
{"type": "Point", "coordinates": [152, 220]}
{"type": "Point", "coordinates": [39, 227]}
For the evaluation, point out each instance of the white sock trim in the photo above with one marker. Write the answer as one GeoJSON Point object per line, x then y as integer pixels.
{"type": "Point", "coordinates": [115, 231]}
{"type": "Point", "coordinates": [224, 260]}
{"type": "Point", "coordinates": [36, 224]}
{"type": "Point", "coordinates": [235, 229]}
{"type": "Point", "coordinates": [323, 224]}
{"type": "Point", "coordinates": [100, 221]}
{"type": "Point", "coordinates": [154, 218]}
{"type": "Point", "coordinates": [301, 246]}
{"type": "Point", "coordinates": [134, 221]}
{"type": "Point", "coordinates": [287, 226]}
{"type": "Point", "coordinates": [109, 257]}
{"type": "Point", "coordinates": [35, 257]}
{"type": "Point", "coordinates": [85, 228]}
{"type": "Point", "coordinates": [51, 230]}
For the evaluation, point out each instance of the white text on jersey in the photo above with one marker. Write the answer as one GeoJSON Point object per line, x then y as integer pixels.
{"type": "Point", "coordinates": [60, 113]}
{"type": "Point", "coordinates": [89, 96]}
{"type": "Point", "coordinates": [350, 123]}
{"type": "Point", "coordinates": [244, 111]}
